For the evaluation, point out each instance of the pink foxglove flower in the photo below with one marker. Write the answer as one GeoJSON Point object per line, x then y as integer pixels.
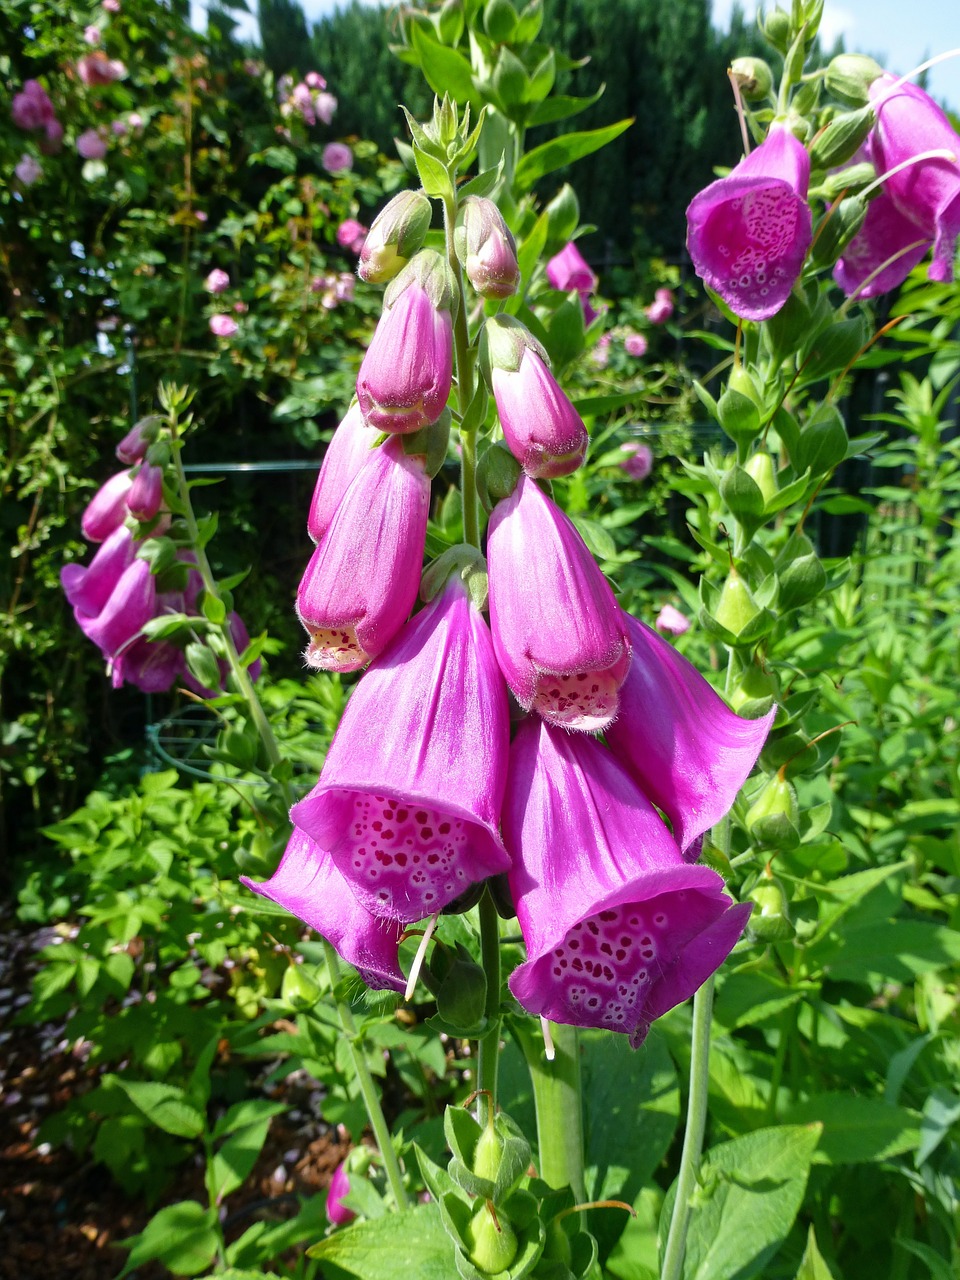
{"type": "Point", "coordinates": [928, 193]}
{"type": "Point", "coordinates": [152, 666]}
{"type": "Point", "coordinates": [131, 604]}
{"type": "Point", "coordinates": [541, 427]}
{"type": "Point", "coordinates": [618, 928]}
{"type": "Point", "coordinates": [217, 281]}
{"type": "Point", "coordinates": [559, 634]}
{"type": "Point", "coordinates": [91, 146]}
{"type": "Point", "coordinates": [405, 377]}
{"type": "Point", "coordinates": [408, 802]}
{"type": "Point", "coordinates": [338, 1215]}
{"type": "Point", "coordinates": [134, 445]}
{"type": "Point", "coordinates": [671, 621]}
{"type": "Point", "coordinates": [336, 157]}
{"type": "Point", "coordinates": [146, 492]}
{"type": "Point", "coordinates": [89, 587]}
{"type": "Point", "coordinates": [749, 233]}
{"type": "Point", "coordinates": [314, 80]}
{"type": "Point", "coordinates": [308, 884]}
{"type": "Point", "coordinates": [687, 750]}
{"type": "Point", "coordinates": [396, 234]}
{"type": "Point", "coordinates": [886, 234]}
{"type": "Point", "coordinates": [638, 462]}
{"type": "Point", "coordinates": [27, 170]}
{"type": "Point", "coordinates": [107, 509]}
{"type": "Point", "coordinates": [223, 326]}
{"type": "Point", "coordinates": [363, 578]}
{"type": "Point", "coordinates": [348, 450]}
{"type": "Point", "coordinates": [568, 270]}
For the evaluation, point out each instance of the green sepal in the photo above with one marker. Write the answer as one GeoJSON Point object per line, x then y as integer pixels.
{"type": "Point", "coordinates": [202, 665]}
{"type": "Point", "coordinates": [840, 140]}
{"type": "Point", "coordinates": [823, 441]}
{"type": "Point", "coordinates": [463, 1133]}
{"type": "Point", "coordinates": [743, 496]}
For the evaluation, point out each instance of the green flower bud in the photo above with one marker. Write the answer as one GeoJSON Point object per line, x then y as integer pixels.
{"type": "Point", "coordinates": [849, 77]}
{"type": "Point", "coordinates": [489, 1149]}
{"type": "Point", "coordinates": [397, 233]}
{"type": "Point", "coordinates": [774, 817]}
{"type": "Point", "coordinates": [778, 29]}
{"type": "Point", "coordinates": [492, 1244]}
{"type": "Point", "coordinates": [754, 692]}
{"type": "Point", "coordinates": [753, 77]}
{"type": "Point", "coordinates": [840, 140]}
{"type": "Point", "coordinates": [736, 608]}
{"type": "Point", "coordinates": [498, 474]}
{"type": "Point", "coordinates": [500, 20]}
{"type": "Point", "coordinates": [836, 229]}
{"type": "Point", "coordinates": [771, 921]}
{"type": "Point", "coordinates": [759, 466]}
{"type": "Point", "coordinates": [740, 407]}
{"type": "Point", "coordinates": [298, 989]}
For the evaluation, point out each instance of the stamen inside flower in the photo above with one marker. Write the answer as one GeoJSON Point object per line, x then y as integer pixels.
{"type": "Point", "coordinates": [407, 860]}
{"type": "Point", "coordinates": [585, 700]}
{"type": "Point", "coordinates": [335, 649]}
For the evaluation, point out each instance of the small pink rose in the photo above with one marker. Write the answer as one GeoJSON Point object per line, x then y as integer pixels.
{"type": "Point", "coordinates": [217, 281]}
{"type": "Point", "coordinates": [671, 621]}
{"type": "Point", "coordinates": [223, 326]}
{"type": "Point", "coordinates": [337, 157]}
{"type": "Point", "coordinates": [635, 344]}
{"type": "Point", "coordinates": [351, 233]}
{"type": "Point", "coordinates": [91, 35]}
{"type": "Point", "coordinates": [111, 6]}
{"type": "Point", "coordinates": [28, 169]}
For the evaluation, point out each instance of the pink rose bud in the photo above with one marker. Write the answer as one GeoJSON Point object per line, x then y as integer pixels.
{"type": "Point", "coordinates": [96, 69]}
{"type": "Point", "coordinates": [336, 157]}
{"type": "Point", "coordinates": [28, 169]}
{"type": "Point", "coordinates": [406, 374]}
{"type": "Point", "coordinates": [217, 281]}
{"type": "Point", "coordinates": [346, 453]}
{"type": "Point", "coordinates": [638, 462]}
{"type": "Point", "coordinates": [223, 326]}
{"type": "Point", "coordinates": [558, 632]}
{"type": "Point", "coordinates": [397, 233]}
{"type": "Point", "coordinates": [111, 6]}
{"type": "Point", "coordinates": [338, 1214]}
{"type": "Point", "coordinates": [748, 234]}
{"type": "Point", "coordinates": [486, 248]}
{"type": "Point", "coordinates": [541, 427]}
{"type": "Point", "coordinates": [146, 492]}
{"type": "Point", "coordinates": [91, 35]}
{"type": "Point", "coordinates": [135, 120]}
{"type": "Point", "coordinates": [350, 235]}
{"type": "Point", "coordinates": [107, 509]}
{"type": "Point", "coordinates": [671, 621]}
{"type": "Point", "coordinates": [635, 345]}
{"type": "Point", "coordinates": [91, 146]}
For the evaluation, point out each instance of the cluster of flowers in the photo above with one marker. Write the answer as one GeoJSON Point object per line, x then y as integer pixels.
{"type": "Point", "coordinates": [115, 595]}
{"type": "Point", "coordinates": [308, 98]}
{"type": "Point", "coordinates": [32, 109]}
{"type": "Point", "coordinates": [423, 795]}
{"type": "Point", "coordinates": [749, 233]}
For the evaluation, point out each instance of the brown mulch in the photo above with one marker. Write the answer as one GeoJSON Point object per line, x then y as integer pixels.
{"type": "Point", "coordinates": [62, 1214]}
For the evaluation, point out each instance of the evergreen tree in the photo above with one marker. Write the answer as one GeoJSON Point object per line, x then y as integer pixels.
{"type": "Point", "coordinates": [283, 35]}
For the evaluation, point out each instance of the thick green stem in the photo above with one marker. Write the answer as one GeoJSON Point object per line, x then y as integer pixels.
{"type": "Point", "coordinates": [557, 1097]}
{"type": "Point", "coordinates": [488, 1046]}
{"type": "Point", "coordinates": [693, 1137]}
{"type": "Point", "coordinates": [368, 1090]}
{"type": "Point", "coordinates": [259, 717]}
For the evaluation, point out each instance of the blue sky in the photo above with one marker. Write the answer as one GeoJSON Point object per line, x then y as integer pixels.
{"type": "Point", "coordinates": [899, 33]}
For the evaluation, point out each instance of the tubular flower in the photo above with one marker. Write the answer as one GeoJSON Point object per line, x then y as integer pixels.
{"type": "Point", "coordinates": [338, 1215]}
{"type": "Point", "coordinates": [686, 749]}
{"type": "Point", "coordinates": [486, 248]}
{"type": "Point", "coordinates": [89, 587]}
{"type": "Point", "coordinates": [308, 884]}
{"type": "Point", "coordinates": [408, 803]}
{"type": "Point", "coordinates": [568, 270]}
{"type": "Point", "coordinates": [131, 604]}
{"type": "Point", "coordinates": [396, 234]}
{"type": "Point", "coordinates": [107, 509]}
{"type": "Point", "coordinates": [618, 928]}
{"type": "Point", "coordinates": [558, 632]}
{"type": "Point", "coordinates": [928, 193]}
{"type": "Point", "coordinates": [348, 450]}
{"type": "Point", "coordinates": [405, 377]}
{"type": "Point", "coordinates": [886, 234]}
{"type": "Point", "coordinates": [749, 233]}
{"type": "Point", "coordinates": [541, 427]}
{"type": "Point", "coordinates": [363, 578]}
{"type": "Point", "coordinates": [146, 492]}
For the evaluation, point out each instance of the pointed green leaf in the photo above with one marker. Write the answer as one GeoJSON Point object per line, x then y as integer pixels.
{"type": "Point", "coordinates": [562, 151]}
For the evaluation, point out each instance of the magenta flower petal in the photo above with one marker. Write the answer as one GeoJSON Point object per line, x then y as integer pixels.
{"type": "Point", "coordinates": [146, 492]}
{"type": "Point", "coordinates": [348, 450]}
{"type": "Point", "coordinates": [107, 509]}
{"type": "Point", "coordinates": [568, 270]}
{"type": "Point", "coordinates": [558, 631]}
{"type": "Point", "coordinates": [408, 802]}
{"type": "Point", "coordinates": [618, 928]}
{"type": "Point", "coordinates": [89, 587]}
{"type": "Point", "coordinates": [687, 750]}
{"type": "Point", "coordinates": [541, 427]}
{"type": "Point", "coordinates": [338, 1215]}
{"type": "Point", "coordinates": [308, 884]}
{"type": "Point", "coordinates": [363, 578]}
{"type": "Point", "coordinates": [152, 666]}
{"type": "Point", "coordinates": [886, 233]}
{"type": "Point", "coordinates": [131, 604]}
{"type": "Point", "coordinates": [749, 233]}
{"type": "Point", "coordinates": [928, 193]}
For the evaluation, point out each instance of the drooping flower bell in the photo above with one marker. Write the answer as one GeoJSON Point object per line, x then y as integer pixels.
{"type": "Point", "coordinates": [146, 492]}
{"type": "Point", "coordinates": [883, 252]}
{"type": "Point", "coordinates": [338, 1215]}
{"type": "Point", "coordinates": [363, 578]}
{"type": "Point", "coordinates": [131, 604]}
{"type": "Point", "coordinates": [396, 234]}
{"type": "Point", "coordinates": [749, 233]}
{"type": "Point", "coordinates": [89, 587]}
{"type": "Point", "coordinates": [406, 373]}
{"type": "Point", "coordinates": [541, 427]}
{"type": "Point", "coordinates": [107, 509]}
{"type": "Point", "coordinates": [686, 749]}
{"type": "Point", "coordinates": [568, 270]}
{"type": "Point", "coordinates": [308, 884]}
{"type": "Point", "coordinates": [618, 928]}
{"type": "Point", "coordinates": [908, 123]}
{"type": "Point", "coordinates": [408, 802]}
{"type": "Point", "coordinates": [348, 450]}
{"type": "Point", "coordinates": [559, 634]}
{"type": "Point", "coordinates": [486, 249]}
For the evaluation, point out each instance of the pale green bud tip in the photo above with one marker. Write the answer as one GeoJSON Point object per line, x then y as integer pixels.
{"type": "Point", "coordinates": [849, 77]}
{"type": "Point", "coordinates": [753, 77]}
{"type": "Point", "coordinates": [431, 271]}
{"type": "Point", "coordinates": [736, 608]}
{"type": "Point", "coordinates": [398, 231]}
{"type": "Point", "coordinates": [839, 140]}
{"type": "Point", "coordinates": [759, 467]}
{"type": "Point", "coordinates": [498, 474]}
{"type": "Point", "coordinates": [503, 342]}
{"type": "Point", "coordinates": [464, 561]}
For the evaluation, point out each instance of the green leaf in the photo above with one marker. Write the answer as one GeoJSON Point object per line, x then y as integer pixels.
{"type": "Point", "coordinates": [232, 1164]}
{"type": "Point", "coordinates": [750, 997]}
{"type": "Point", "coordinates": [857, 1130]}
{"type": "Point", "coordinates": [938, 1266]}
{"type": "Point", "coordinates": [398, 1246]}
{"type": "Point", "coordinates": [596, 537]}
{"type": "Point", "coordinates": [941, 1111]}
{"type": "Point", "coordinates": [562, 151]}
{"type": "Point", "coordinates": [562, 106]}
{"type": "Point", "coordinates": [181, 1236]}
{"type": "Point", "coordinates": [812, 1265]}
{"type": "Point", "coordinates": [445, 70]}
{"type": "Point", "coordinates": [163, 1105]}
{"type": "Point", "coordinates": [749, 1194]}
